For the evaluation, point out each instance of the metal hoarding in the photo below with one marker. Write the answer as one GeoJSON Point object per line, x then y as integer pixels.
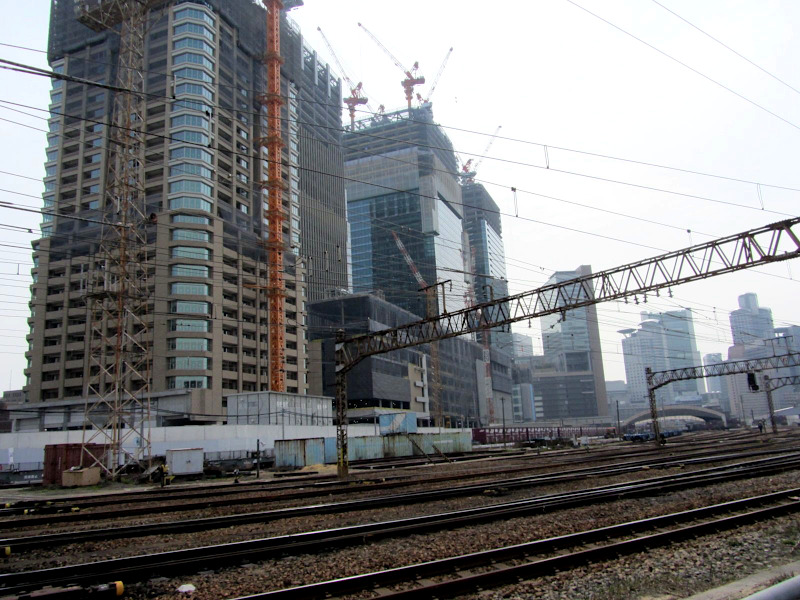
{"type": "Point", "coordinates": [364, 448]}
{"type": "Point", "coordinates": [398, 423]}
{"type": "Point", "coordinates": [299, 453]}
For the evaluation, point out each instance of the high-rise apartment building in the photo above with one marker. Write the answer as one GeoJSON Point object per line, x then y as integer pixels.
{"type": "Point", "coordinates": [201, 174]}
{"type": "Point", "coordinates": [571, 341]}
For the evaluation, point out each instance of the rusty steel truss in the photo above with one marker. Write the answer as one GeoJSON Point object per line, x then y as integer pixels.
{"type": "Point", "coordinates": [117, 409]}
{"type": "Point", "coordinates": [658, 379]}
{"type": "Point", "coordinates": [763, 245]}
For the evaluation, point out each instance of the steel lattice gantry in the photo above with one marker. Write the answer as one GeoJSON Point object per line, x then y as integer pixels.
{"type": "Point", "coordinates": [657, 379]}
{"type": "Point", "coordinates": [771, 243]}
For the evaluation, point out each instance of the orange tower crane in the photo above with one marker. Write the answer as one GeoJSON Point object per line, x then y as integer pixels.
{"type": "Point", "coordinates": [412, 77]}
{"type": "Point", "coordinates": [357, 96]}
{"type": "Point", "coordinates": [276, 290]}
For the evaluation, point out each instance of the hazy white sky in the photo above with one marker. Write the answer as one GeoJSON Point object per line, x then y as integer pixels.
{"type": "Point", "coordinates": [549, 73]}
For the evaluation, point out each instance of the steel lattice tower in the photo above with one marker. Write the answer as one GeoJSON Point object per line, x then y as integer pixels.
{"type": "Point", "coordinates": [117, 410]}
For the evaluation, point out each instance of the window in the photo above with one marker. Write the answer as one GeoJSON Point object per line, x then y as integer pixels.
{"type": "Point", "coordinates": [92, 159]}
{"type": "Point", "coordinates": [56, 98]}
{"type": "Point", "coordinates": [194, 13]}
{"type": "Point", "coordinates": [92, 189]}
{"type": "Point", "coordinates": [195, 153]}
{"type": "Point", "coordinates": [50, 170]}
{"type": "Point", "coordinates": [194, 344]}
{"type": "Point", "coordinates": [191, 105]}
{"type": "Point", "coordinates": [194, 44]}
{"type": "Point", "coordinates": [190, 169]}
{"type": "Point", "coordinates": [189, 325]}
{"type": "Point", "coordinates": [52, 155]}
{"type": "Point", "coordinates": [189, 73]}
{"type": "Point", "coordinates": [187, 362]}
{"type": "Point", "coordinates": [48, 201]}
{"type": "Point", "coordinates": [93, 174]}
{"type": "Point", "coordinates": [189, 252]}
{"type": "Point", "coordinates": [189, 202]}
{"type": "Point", "coordinates": [189, 121]}
{"type": "Point", "coordinates": [243, 208]}
{"type": "Point", "coordinates": [196, 187]}
{"type": "Point", "coordinates": [196, 219]}
{"type": "Point", "coordinates": [195, 235]}
{"type": "Point", "coordinates": [241, 132]}
{"type": "Point", "coordinates": [191, 57]}
{"type": "Point", "coordinates": [194, 28]}
{"type": "Point", "coordinates": [194, 89]}
{"type": "Point", "coordinates": [189, 306]}
{"type": "Point", "coordinates": [195, 137]}
{"type": "Point", "coordinates": [189, 289]}
{"type": "Point", "coordinates": [187, 382]}
{"type": "Point", "coordinates": [189, 271]}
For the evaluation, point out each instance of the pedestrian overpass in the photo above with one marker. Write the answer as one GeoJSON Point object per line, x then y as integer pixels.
{"type": "Point", "coordinates": [709, 415]}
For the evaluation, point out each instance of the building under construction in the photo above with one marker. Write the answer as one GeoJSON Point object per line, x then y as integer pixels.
{"type": "Point", "coordinates": [201, 173]}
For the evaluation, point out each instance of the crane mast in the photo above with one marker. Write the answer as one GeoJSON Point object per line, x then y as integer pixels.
{"type": "Point", "coordinates": [276, 290]}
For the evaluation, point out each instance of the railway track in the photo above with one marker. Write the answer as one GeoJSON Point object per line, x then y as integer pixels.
{"type": "Point", "coordinates": [29, 542]}
{"type": "Point", "coordinates": [74, 513]}
{"type": "Point", "coordinates": [492, 568]}
{"type": "Point", "coordinates": [326, 482]}
{"type": "Point", "coordinates": [139, 568]}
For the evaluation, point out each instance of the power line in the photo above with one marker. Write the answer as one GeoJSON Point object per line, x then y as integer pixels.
{"type": "Point", "coordinates": [683, 64]}
{"type": "Point", "coordinates": [708, 35]}
{"type": "Point", "coordinates": [549, 146]}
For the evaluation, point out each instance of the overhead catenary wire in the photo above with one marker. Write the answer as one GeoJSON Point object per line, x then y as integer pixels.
{"type": "Point", "coordinates": [483, 133]}
{"type": "Point", "coordinates": [43, 72]}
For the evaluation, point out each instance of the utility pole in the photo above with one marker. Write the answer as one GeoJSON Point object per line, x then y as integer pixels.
{"type": "Point", "coordinates": [770, 404]}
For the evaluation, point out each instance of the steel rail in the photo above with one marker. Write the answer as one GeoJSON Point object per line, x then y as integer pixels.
{"type": "Point", "coordinates": [456, 568]}
{"type": "Point", "coordinates": [193, 559]}
{"type": "Point", "coordinates": [189, 525]}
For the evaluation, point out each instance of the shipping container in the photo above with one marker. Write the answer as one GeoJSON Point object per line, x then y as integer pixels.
{"type": "Point", "coordinates": [185, 461]}
{"type": "Point", "coordinates": [60, 457]}
{"type": "Point", "coordinates": [300, 453]}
